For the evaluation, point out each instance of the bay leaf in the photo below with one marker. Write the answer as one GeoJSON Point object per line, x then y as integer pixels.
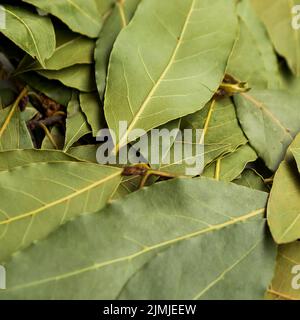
{"type": "Point", "coordinates": [118, 19]}
{"type": "Point", "coordinates": [88, 153]}
{"type": "Point", "coordinates": [72, 49]}
{"type": "Point", "coordinates": [92, 108]}
{"type": "Point", "coordinates": [79, 15]}
{"type": "Point", "coordinates": [230, 166]}
{"type": "Point", "coordinates": [79, 76]}
{"type": "Point", "coordinates": [32, 33]}
{"type": "Point", "coordinates": [288, 259]}
{"type": "Point", "coordinates": [178, 241]}
{"type": "Point", "coordinates": [13, 129]}
{"type": "Point", "coordinates": [173, 49]}
{"type": "Point", "coordinates": [277, 16]}
{"type": "Point", "coordinates": [51, 88]}
{"type": "Point", "coordinates": [270, 120]}
{"type": "Point", "coordinates": [55, 141]}
{"type": "Point", "coordinates": [284, 202]}
{"type": "Point", "coordinates": [222, 133]}
{"type": "Point", "coordinates": [48, 195]}
{"type": "Point", "coordinates": [84, 152]}
{"type": "Point", "coordinates": [253, 59]}
{"type": "Point", "coordinates": [251, 179]}
{"type": "Point", "coordinates": [105, 6]}
{"type": "Point", "coordinates": [16, 158]}
{"type": "Point", "coordinates": [76, 124]}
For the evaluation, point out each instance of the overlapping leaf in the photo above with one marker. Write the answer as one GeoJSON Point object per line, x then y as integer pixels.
{"type": "Point", "coordinates": [204, 247]}
{"type": "Point", "coordinates": [118, 19]}
{"type": "Point", "coordinates": [32, 33]}
{"type": "Point", "coordinates": [76, 123]}
{"type": "Point", "coordinates": [230, 166]}
{"type": "Point", "coordinates": [79, 15]}
{"type": "Point", "coordinates": [284, 203]}
{"type": "Point", "coordinates": [180, 59]}
{"type": "Point", "coordinates": [48, 195]}
{"type": "Point", "coordinates": [270, 119]}
{"type": "Point", "coordinates": [285, 283]}
{"type": "Point", "coordinates": [278, 16]}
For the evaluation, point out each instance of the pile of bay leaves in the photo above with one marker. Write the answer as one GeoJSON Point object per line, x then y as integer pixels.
{"type": "Point", "coordinates": [71, 228]}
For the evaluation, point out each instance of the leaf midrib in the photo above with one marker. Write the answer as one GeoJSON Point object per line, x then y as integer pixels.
{"type": "Point", "coordinates": [59, 201]}
{"type": "Point", "coordinates": [123, 140]}
{"type": "Point", "coordinates": [31, 35]}
{"type": "Point", "coordinates": [97, 266]}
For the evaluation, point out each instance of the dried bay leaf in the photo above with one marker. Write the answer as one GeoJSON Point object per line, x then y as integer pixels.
{"type": "Point", "coordinates": [13, 130]}
{"type": "Point", "coordinates": [284, 202]}
{"type": "Point", "coordinates": [32, 33]}
{"type": "Point", "coordinates": [277, 16]}
{"type": "Point", "coordinates": [51, 88]}
{"type": "Point", "coordinates": [79, 15]}
{"type": "Point", "coordinates": [230, 166]}
{"type": "Point", "coordinates": [251, 179]}
{"type": "Point", "coordinates": [79, 76]}
{"type": "Point", "coordinates": [118, 19]}
{"type": "Point", "coordinates": [48, 195]}
{"type": "Point", "coordinates": [71, 49]}
{"type": "Point", "coordinates": [93, 109]}
{"type": "Point", "coordinates": [281, 287]}
{"type": "Point", "coordinates": [223, 220]}
{"type": "Point", "coordinates": [17, 158]}
{"type": "Point", "coordinates": [76, 124]}
{"type": "Point", "coordinates": [253, 59]}
{"type": "Point", "coordinates": [270, 120]}
{"type": "Point", "coordinates": [178, 52]}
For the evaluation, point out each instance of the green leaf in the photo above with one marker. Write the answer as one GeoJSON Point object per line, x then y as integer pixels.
{"type": "Point", "coordinates": [222, 133]}
{"type": "Point", "coordinates": [79, 76]}
{"type": "Point", "coordinates": [76, 123]}
{"type": "Point", "coordinates": [232, 165]}
{"type": "Point", "coordinates": [88, 153]}
{"type": "Point", "coordinates": [13, 130]}
{"type": "Point", "coordinates": [31, 32]}
{"type": "Point", "coordinates": [55, 141]}
{"type": "Point", "coordinates": [281, 287]}
{"type": "Point", "coordinates": [49, 194]}
{"type": "Point", "coordinates": [295, 149]}
{"type": "Point", "coordinates": [84, 152]}
{"type": "Point", "coordinates": [79, 15]}
{"type": "Point", "coordinates": [17, 158]}
{"type": "Point", "coordinates": [52, 89]}
{"type": "Point", "coordinates": [93, 109]}
{"type": "Point", "coordinates": [284, 203]}
{"type": "Point", "coordinates": [71, 49]}
{"type": "Point", "coordinates": [270, 120]}
{"type": "Point", "coordinates": [251, 179]}
{"type": "Point", "coordinates": [162, 59]}
{"type": "Point", "coordinates": [277, 16]}
{"type": "Point", "coordinates": [208, 246]}
{"type": "Point", "coordinates": [253, 59]}
{"type": "Point", "coordinates": [105, 6]}
{"type": "Point", "coordinates": [118, 19]}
